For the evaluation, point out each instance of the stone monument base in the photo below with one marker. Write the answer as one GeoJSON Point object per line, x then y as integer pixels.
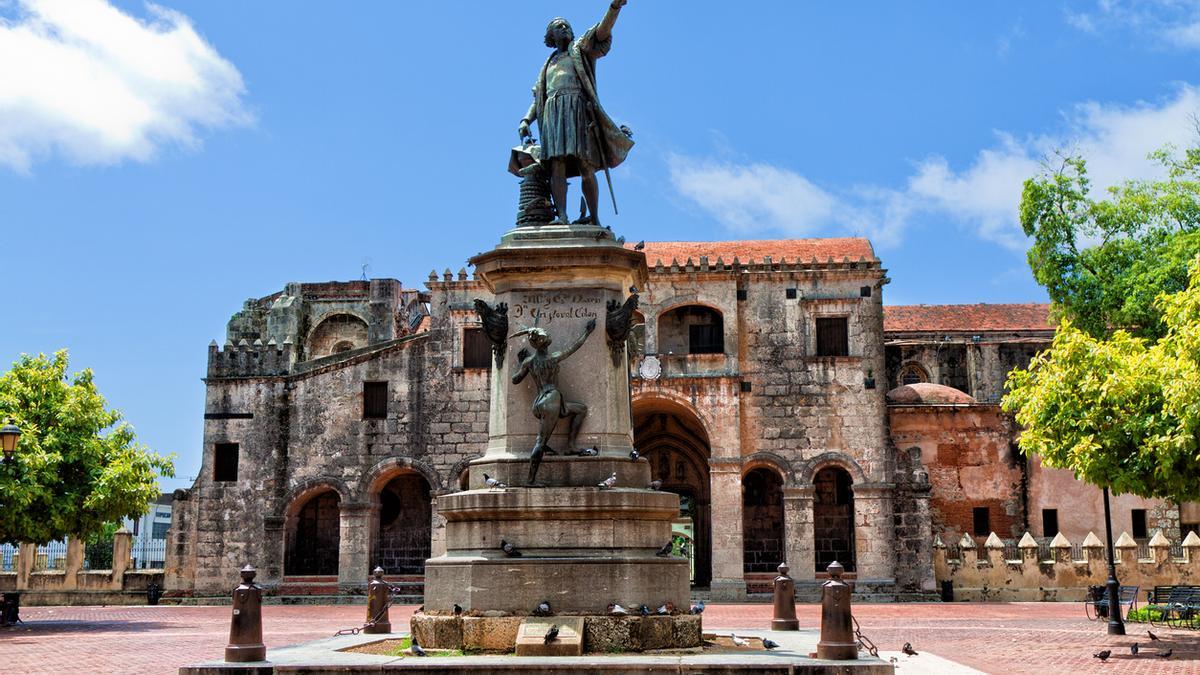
{"type": "Point", "coordinates": [601, 634]}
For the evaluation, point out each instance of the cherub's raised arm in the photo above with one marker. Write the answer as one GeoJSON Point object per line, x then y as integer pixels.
{"type": "Point", "coordinates": [587, 330]}
{"type": "Point", "coordinates": [604, 29]}
{"type": "Point", "coordinates": [523, 369]}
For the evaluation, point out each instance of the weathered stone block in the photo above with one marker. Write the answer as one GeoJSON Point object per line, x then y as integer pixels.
{"type": "Point", "coordinates": [611, 634]}
{"type": "Point", "coordinates": [437, 632]}
{"type": "Point", "coordinates": [657, 632]}
{"type": "Point", "coordinates": [490, 633]}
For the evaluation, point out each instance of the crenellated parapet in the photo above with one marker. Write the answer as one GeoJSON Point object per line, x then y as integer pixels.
{"type": "Point", "coordinates": [246, 359]}
{"type": "Point", "coordinates": [1029, 570]}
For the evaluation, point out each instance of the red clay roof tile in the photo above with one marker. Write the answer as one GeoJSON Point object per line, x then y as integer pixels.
{"type": "Point", "coordinates": [967, 318]}
{"type": "Point", "coordinates": [792, 249]}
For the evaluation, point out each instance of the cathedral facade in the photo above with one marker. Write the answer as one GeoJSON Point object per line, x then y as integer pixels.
{"type": "Point", "coordinates": [798, 419]}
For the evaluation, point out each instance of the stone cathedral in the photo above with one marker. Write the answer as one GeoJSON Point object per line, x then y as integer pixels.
{"type": "Point", "coordinates": [796, 417]}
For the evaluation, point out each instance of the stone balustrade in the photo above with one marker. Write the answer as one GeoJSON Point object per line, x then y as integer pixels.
{"type": "Point", "coordinates": [991, 575]}
{"type": "Point", "coordinates": [73, 585]}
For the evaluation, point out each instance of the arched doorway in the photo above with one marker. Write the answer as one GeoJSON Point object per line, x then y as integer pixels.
{"type": "Point", "coordinates": [313, 535]}
{"type": "Point", "coordinates": [762, 521]}
{"type": "Point", "coordinates": [675, 443]}
{"type": "Point", "coordinates": [402, 541]}
{"type": "Point", "coordinates": [833, 518]}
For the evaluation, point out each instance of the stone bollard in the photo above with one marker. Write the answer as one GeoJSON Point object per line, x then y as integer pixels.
{"type": "Point", "coordinates": [785, 602]}
{"type": "Point", "coordinates": [837, 628]}
{"type": "Point", "coordinates": [378, 597]}
{"type": "Point", "coordinates": [245, 627]}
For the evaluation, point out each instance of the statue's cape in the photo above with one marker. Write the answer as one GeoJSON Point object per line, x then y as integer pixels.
{"type": "Point", "coordinates": [583, 53]}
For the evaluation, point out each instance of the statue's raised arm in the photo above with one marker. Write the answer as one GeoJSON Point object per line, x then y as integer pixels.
{"type": "Point", "coordinates": [604, 28]}
{"type": "Point", "coordinates": [587, 330]}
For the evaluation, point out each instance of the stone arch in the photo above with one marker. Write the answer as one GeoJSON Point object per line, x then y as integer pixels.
{"type": "Point", "coordinates": [401, 521]}
{"type": "Point", "coordinates": [670, 399]}
{"type": "Point", "coordinates": [810, 468]}
{"type": "Point", "coordinates": [307, 488]}
{"type": "Point", "coordinates": [763, 547]}
{"type": "Point", "coordinates": [383, 471]}
{"type": "Point", "coordinates": [336, 331]}
{"type": "Point", "coordinates": [312, 527]}
{"type": "Point", "coordinates": [773, 461]}
{"type": "Point", "coordinates": [673, 437]}
{"type": "Point", "coordinates": [456, 479]}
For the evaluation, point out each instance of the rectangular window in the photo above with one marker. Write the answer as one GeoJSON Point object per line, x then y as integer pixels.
{"type": "Point", "coordinates": [225, 462]}
{"type": "Point", "coordinates": [1139, 523]}
{"type": "Point", "coordinates": [160, 531]}
{"type": "Point", "coordinates": [705, 339]}
{"type": "Point", "coordinates": [375, 400]}
{"type": "Point", "coordinates": [832, 337]}
{"type": "Point", "coordinates": [477, 351]}
{"type": "Point", "coordinates": [983, 526]}
{"type": "Point", "coordinates": [1049, 522]}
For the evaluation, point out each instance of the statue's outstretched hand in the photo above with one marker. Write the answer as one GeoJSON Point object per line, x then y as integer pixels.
{"type": "Point", "coordinates": [523, 130]}
{"type": "Point", "coordinates": [618, 3]}
{"type": "Point", "coordinates": [591, 325]}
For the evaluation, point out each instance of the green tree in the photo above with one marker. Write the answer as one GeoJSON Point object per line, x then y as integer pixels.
{"type": "Point", "coordinates": [1119, 411]}
{"type": "Point", "coordinates": [1104, 262]}
{"type": "Point", "coordinates": [78, 466]}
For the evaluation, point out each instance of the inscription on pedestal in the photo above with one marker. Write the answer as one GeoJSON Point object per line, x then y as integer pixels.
{"type": "Point", "coordinates": [546, 307]}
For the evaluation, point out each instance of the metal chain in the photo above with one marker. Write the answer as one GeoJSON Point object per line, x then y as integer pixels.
{"type": "Point", "coordinates": [864, 642]}
{"type": "Point", "coordinates": [392, 591]}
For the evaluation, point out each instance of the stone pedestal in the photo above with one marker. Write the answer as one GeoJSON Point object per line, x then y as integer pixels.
{"type": "Point", "coordinates": [581, 547]}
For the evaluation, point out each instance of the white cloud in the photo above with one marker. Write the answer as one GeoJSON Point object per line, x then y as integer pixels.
{"type": "Point", "coordinates": [748, 197]}
{"type": "Point", "coordinates": [82, 79]}
{"type": "Point", "coordinates": [1175, 22]}
{"type": "Point", "coordinates": [981, 196]}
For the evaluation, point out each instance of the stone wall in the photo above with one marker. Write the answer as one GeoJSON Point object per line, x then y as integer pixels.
{"type": "Point", "coordinates": [981, 574]}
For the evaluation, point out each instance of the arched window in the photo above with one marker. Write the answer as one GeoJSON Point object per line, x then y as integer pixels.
{"type": "Point", "coordinates": [691, 329]}
{"type": "Point", "coordinates": [912, 373]}
{"type": "Point", "coordinates": [336, 334]}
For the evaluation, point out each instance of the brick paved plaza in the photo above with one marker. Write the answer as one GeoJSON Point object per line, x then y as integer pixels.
{"type": "Point", "coordinates": [996, 638]}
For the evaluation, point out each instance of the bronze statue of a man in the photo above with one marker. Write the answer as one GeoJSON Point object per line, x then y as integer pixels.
{"type": "Point", "coordinates": [550, 405]}
{"type": "Point", "coordinates": [578, 138]}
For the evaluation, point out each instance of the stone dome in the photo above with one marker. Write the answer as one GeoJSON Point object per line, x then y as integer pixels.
{"type": "Point", "coordinates": [927, 393]}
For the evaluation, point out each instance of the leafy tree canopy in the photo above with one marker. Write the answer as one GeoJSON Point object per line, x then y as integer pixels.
{"type": "Point", "coordinates": [1103, 262]}
{"type": "Point", "coordinates": [1119, 411]}
{"type": "Point", "coordinates": [78, 465]}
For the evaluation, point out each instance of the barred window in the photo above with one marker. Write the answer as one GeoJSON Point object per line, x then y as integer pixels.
{"type": "Point", "coordinates": [832, 337]}
{"type": "Point", "coordinates": [375, 399]}
{"type": "Point", "coordinates": [477, 351]}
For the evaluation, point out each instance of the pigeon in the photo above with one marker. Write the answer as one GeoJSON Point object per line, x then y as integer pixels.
{"type": "Point", "coordinates": [1166, 654]}
{"type": "Point", "coordinates": [493, 483]}
{"type": "Point", "coordinates": [589, 452]}
{"type": "Point", "coordinates": [1153, 637]}
{"type": "Point", "coordinates": [640, 246]}
{"type": "Point", "coordinates": [666, 608]}
{"type": "Point", "coordinates": [664, 551]}
{"type": "Point", "coordinates": [509, 550]}
{"type": "Point", "coordinates": [551, 635]}
{"type": "Point", "coordinates": [644, 610]}
{"type": "Point", "coordinates": [737, 640]}
{"type": "Point", "coordinates": [1133, 649]}
{"type": "Point", "coordinates": [543, 609]}
{"type": "Point", "coordinates": [907, 649]}
{"type": "Point", "coordinates": [1103, 655]}
{"type": "Point", "coordinates": [768, 643]}
{"type": "Point", "coordinates": [633, 289]}
{"type": "Point", "coordinates": [457, 609]}
{"type": "Point", "coordinates": [615, 609]}
{"type": "Point", "coordinates": [620, 240]}
{"type": "Point", "coordinates": [607, 483]}
{"type": "Point", "coordinates": [697, 608]}
{"type": "Point", "coordinates": [655, 484]}
{"type": "Point", "coordinates": [416, 649]}
{"type": "Point", "coordinates": [633, 455]}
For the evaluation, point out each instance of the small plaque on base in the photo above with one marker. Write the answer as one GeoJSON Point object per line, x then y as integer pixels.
{"type": "Point", "coordinates": [531, 636]}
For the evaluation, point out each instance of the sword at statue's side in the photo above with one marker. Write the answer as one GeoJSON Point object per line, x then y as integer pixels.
{"type": "Point", "coordinates": [603, 160]}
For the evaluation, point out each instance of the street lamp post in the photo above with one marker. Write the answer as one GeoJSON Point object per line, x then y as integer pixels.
{"type": "Point", "coordinates": [1116, 625]}
{"type": "Point", "coordinates": [9, 435]}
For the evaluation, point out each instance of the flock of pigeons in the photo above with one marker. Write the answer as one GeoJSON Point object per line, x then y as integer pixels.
{"type": "Point", "coordinates": [1135, 648]}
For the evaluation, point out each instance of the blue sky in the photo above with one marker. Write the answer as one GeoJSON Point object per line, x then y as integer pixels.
{"type": "Point", "coordinates": [159, 164]}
